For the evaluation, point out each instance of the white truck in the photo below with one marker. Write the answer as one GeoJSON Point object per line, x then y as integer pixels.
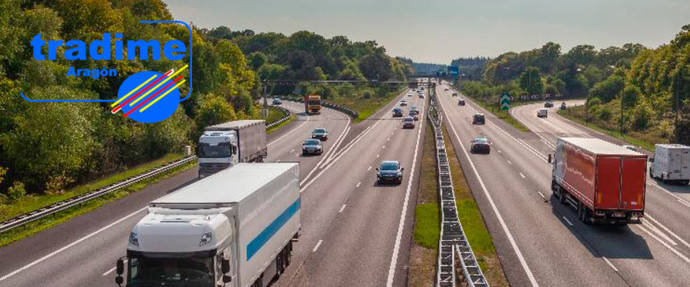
{"type": "Point", "coordinates": [671, 163]}
{"type": "Point", "coordinates": [224, 145]}
{"type": "Point", "coordinates": [234, 228]}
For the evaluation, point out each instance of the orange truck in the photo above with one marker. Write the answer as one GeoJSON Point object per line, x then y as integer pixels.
{"type": "Point", "coordinates": [312, 104]}
{"type": "Point", "coordinates": [605, 182]}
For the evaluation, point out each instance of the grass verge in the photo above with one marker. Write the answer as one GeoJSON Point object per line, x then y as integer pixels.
{"type": "Point", "coordinates": [423, 252]}
{"type": "Point", "coordinates": [26, 230]}
{"type": "Point", "coordinates": [277, 127]}
{"type": "Point", "coordinates": [576, 114]}
{"type": "Point", "coordinates": [32, 202]}
{"type": "Point", "coordinates": [365, 105]}
{"type": "Point", "coordinates": [473, 223]}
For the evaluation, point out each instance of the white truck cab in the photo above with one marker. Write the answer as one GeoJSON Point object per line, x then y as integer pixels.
{"type": "Point", "coordinates": [227, 144]}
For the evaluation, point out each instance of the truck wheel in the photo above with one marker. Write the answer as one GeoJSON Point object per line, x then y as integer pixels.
{"type": "Point", "coordinates": [651, 174]}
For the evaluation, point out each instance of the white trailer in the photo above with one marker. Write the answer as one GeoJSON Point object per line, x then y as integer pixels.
{"type": "Point", "coordinates": [671, 163]}
{"type": "Point", "coordinates": [224, 145]}
{"type": "Point", "coordinates": [233, 228]}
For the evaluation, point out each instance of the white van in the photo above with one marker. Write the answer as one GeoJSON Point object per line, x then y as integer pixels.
{"type": "Point", "coordinates": [671, 163]}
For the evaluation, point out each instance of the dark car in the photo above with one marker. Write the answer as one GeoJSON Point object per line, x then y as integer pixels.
{"type": "Point", "coordinates": [548, 104]}
{"type": "Point", "coordinates": [389, 171]}
{"type": "Point", "coordinates": [480, 145]}
{"type": "Point", "coordinates": [461, 102]}
{"type": "Point", "coordinates": [397, 112]}
{"type": "Point", "coordinates": [455, 94]}
{"type": "Point", "coordinates": [277, 102]}
{"type": "Point", "coordinates": [414, 114]}
{"type": "Point", "coordinates": [563, 106]}
{"type": "Point", "coordinates": [403, 103]}
{"type": "Point", "coordinates": [312, 146]}
{"type": "Point", "coordinates": [408, 123]}
{"type": "Point", "coordinates": [478, 119]}
{"type": "Point", "coordinates": [320, 133]}
{"type": "Point", "coordinates": [414, 110]}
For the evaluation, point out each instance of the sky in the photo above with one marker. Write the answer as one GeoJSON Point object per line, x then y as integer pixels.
{"type": "Point", "coordinates": [437, 31]}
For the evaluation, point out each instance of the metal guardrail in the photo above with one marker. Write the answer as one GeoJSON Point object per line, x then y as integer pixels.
{"type": "Point", "coordinates": [340, 108]}
{"type": "Point", "coordinates": [455, 253]}
{"type": "Point", "coordinates": [73, 201]}
{"type": "Point", "coordinates": [286, 116]}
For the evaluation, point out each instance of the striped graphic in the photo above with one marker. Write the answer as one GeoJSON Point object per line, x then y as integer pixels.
{"type": "Point", "coordinates": [163, 95]}
{"type": "Point", "coordinates": [119, 107]}
{"type": "Point", "coordinates": [159, 84]}
{"type": "Point", "coordinates": [154, 95]}
{"type": "Point", "coordinates": [132, 91]}
{"type": "Point", "coordinates": [255, 245]}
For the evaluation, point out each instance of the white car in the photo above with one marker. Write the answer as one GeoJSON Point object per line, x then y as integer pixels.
{"type": "Point", "coordinates": [543, 113]}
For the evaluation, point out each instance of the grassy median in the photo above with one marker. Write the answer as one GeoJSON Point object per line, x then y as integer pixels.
{"type": "Point", "coordinates": [366, 102]}
{"type": "Point", "coordinates": [646, 141]}
{"type": "Point", "coordinates": [33, 227]}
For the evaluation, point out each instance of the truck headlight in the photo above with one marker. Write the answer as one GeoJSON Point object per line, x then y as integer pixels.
{"type": "Point", "coordinates": [205, 238]}
{"type": "Point", "coordinates": [133, 239]}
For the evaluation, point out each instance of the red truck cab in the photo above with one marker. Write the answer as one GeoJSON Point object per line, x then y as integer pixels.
{"type": "Point", "coordinates": [605, 182]}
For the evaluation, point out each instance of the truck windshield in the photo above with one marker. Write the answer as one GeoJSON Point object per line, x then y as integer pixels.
{"type": "Point", "coordinates": [314, 102]}
{"type": "Point", "coordinates": [187, 271]}
{"type": "Point", "coordinates": [215, 151]}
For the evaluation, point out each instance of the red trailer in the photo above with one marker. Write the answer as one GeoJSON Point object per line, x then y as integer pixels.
{"type": "Point", "coordinates": [605, 182]}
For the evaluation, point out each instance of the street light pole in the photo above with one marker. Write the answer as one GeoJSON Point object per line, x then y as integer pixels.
{"type": "Point", "coordinates": [265, 109]}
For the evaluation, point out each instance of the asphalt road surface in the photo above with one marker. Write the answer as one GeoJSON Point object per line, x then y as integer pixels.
{"type": "Point", "coordinates": [539, 241]}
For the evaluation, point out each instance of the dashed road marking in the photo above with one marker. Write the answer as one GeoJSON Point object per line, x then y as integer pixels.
{"type": "Point", "coordinates": [342, 208]}
{"type": "Point", "coordinates": [568, 221]}
{"type": "Point", "coordinates": [358, 184]}
{"type": "Point", "coordinates": [522, 175]}
{"type": "Point", "coordinates": [610, 264]}
{"type": "Point", "coordinates": [317, 246]}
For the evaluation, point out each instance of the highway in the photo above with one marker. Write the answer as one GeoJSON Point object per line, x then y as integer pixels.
{"type": "Point", "coordinates": [539, 241]}
{"type": "Point", "coordinates": [83, 250]}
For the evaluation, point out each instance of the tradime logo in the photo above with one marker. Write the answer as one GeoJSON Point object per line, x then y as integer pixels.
{"type": "Point", "coordinates": [146, 96]}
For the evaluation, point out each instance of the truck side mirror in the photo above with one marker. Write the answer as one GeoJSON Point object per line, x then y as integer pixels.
{"type": "Point", "coordinates": [227, 279]}
{"type": "Point", "coordinates": [225, 266]}
{"type": "Point", "coordinates": [550, 158]}
{"type": "Point", "coordinates": [120, 266]}
{"type": "Point", "coordinates": [119, 280]}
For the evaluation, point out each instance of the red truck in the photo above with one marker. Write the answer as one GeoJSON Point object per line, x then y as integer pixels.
{"type": "Point", "coordinates": [605, 182]}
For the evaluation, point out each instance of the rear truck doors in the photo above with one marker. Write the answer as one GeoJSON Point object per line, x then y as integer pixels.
{"type": "Point", "coordinates": [620, 183]}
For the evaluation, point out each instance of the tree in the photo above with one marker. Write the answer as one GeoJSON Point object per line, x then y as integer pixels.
{"type": "Point", "coordinates": [257, 59]}
{"type": "Point", "coordinates": [608, 89]}
{"type": "Point", "coordinates": [631, 95]}
{"type": "Point", "coordinates": [530, 81]}
{"type": "Point", "coordinates": [213, 110]}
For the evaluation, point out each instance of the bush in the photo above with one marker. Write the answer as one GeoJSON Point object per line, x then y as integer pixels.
{"type": "Point", "coordinates": [16, 191]}
{"type": "Point", "coordinates": [605, 114]}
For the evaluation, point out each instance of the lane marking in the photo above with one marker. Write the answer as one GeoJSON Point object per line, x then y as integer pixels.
{"type": "Point", "coordinates": [504, 226]}
{"type": "Point", "coordinates": [37, 261]}
{"type": "Point", "coordinates": [377, 155]}
{"type": "Point", "coordinates": [509, 162]}
{"type": "Point", "coordinates": [383, 147]}
{"type": "Point", "coordinates": [112, 269]}
{"type": "Point", "coordinates": [658, 232]}
{"type": "Point", "coordinates": [289, 132]}
{"type": "Point", "coordinates": [358, 184]}
{"type": "Point", "coordinates": [499, 151]}
{"type": "Point", "coordinates": [368, 169]}
{"type": "Point", "coordinates": [568, 221]}
{"type": "Point", "coordinates": [317, 246]}
{"type": "Point", "coordinates": [292, 150]}
{"type": "Point", "coordinates": [342, 208]}
{"type": "Point", "coordinates": [522, 175]}
{"type": "Point", "coordinates": [686, 259]}
{"type": "Point", "coordinates": [610, 264]}
{"type": "Point", "coordinates": [401, 223]}
{"type": "Point", "coordinates": [542, 195]}
{"type": "Point", "coordinates": [649, 216]}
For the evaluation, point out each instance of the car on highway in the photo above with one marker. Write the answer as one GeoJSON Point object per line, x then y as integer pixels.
{"type": "Point", "coordinates": [446, 89]}
{"type": "Point", "coordinates": [312, 146]}
{"type": "Point", "coordinates": [461, 102]}
{"type": "Point", "coordinates": [408, 123]}
{"type": "Point", "coordinates": [563, 106]}
{"type": "Point", "coordinates": [414, 114]}
{"type": "Point", "coordinates": [389, 171]}
{"type": "Point", "coordinates": [548, 104]}
{"type": "Point", "coordinates": [414, 109]}
{"type": "Point", "coordinates": [421, 96]}
{"type": "Point", "coordinates": [320, 133]}
{"type": "Point", "coordinates": [543, 113]}
{"type": "Point", "coordinates": [403, 103]}
{"type": "Point", "coordinates": [277, 102]}
{"type": "Point", "coordinates": [409, 95]}
{"type": "Point", "coordinates": [397, 112]}
{"type": "Point", "coordinates": [455, 94]}
{"type": "Point", "coordinates": [480, 145]}
{"type": "Point", "coordinates": [478, 119]}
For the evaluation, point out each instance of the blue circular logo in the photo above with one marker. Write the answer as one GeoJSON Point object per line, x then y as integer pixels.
{"type": "Point", "coordinates": [147, 97]}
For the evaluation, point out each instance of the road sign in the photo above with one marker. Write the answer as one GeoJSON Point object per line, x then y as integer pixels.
{"type": "Point", "coordinates": [505, 102]}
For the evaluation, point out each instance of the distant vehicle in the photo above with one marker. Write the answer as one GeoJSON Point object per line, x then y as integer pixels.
{"type": "Point", "coordinates": [478, 119]}
{"type": "Point", "coordinates": [414, 114]}
{"type": "Point", "coordinates": [224, 145]}
{"type": "Point", "coordinates": [480, 145]}
{"type": "Point", "coordinates": [408, 123]}
{"type": "Point", "coordinates": [320, 133]}
{"type": "Point", "coordinates": [312, 104]}
{"type": "Point", "coordinates": [409, 95]}
{"type": "Point", "coordinates": [277, 102]}
{"type": "Point", "coordinates": [414, 110]}
{"type": "Point", "coordinates": [218, 231]}
{"type": "Point", "coordinates": [461, 102]}
{"type": "Point", "coordinates": [421, 96]}
{"type": "Point", "coordinates": [605, 182]}
{"type": "Point", "coordinates": [312, 146]}
{"type": "Point", "coordinates": [455, 94]}
{"type": "Point", "coordinates": [446, 89]}
{"type": "Point", "coordinates": [397, 112]}
{"type": "Point", "coordinates": [543, 113]}
{"type": "Point", "coordinates": [389, 171]}
{"type": "Point", "coordinates": [548, 104]}
{"type": "Point", "coordinates": [403, 103]}
{"type": "Point", "coordinates": [671, 163]}
{"type": "Point", "coordinates": [563, 106]}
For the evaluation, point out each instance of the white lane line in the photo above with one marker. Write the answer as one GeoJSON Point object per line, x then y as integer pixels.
{"type": "Point", "coordinates": [685, 258]}
{"type": "Point", "coordinates": [610, 264]}
{"type": "Point", "coordinates": [649, 216]}
{"type": "Point", "coordinates": [292, 150]}
{"type": "Point", "coordinates": [383, 147]}
{"type": "Point", "coordinates": [342, 208]}
{"type": "Point", "coordinates": [388, 139]}
{"type": "Point", "coordinates": [317, 246]}
{"type": "Point", "coordinates": [332, 151]}
{"type": "Point", "coordinates": [504, 226]}
{"type": "Point", "coordinates": [70, 245]}
{"type": "Point", "coordinates": [658, 232]}
{"type": "Point", "coordinates": [499, 151]}
{"type": "Point", "coordinates": [522, 175]}
{"type": "Point", "coordinates": [358, 184]}
{"type": "Point", "coordinates": [289, 132]}
{"type": "Point", "coordinates": [401, 224]}
{"type": "Point", "coordinates": [568, 221]}
{"type": "Point", "coordinates": [377, 155]}
{"type": "Point", "coordinates": [541, 194]}
{"type": "Point", "coordinates": [509, 162]}
{"type": "Point", "coordinates": [368, 169]}
{"type": "Point", "coordinates": [112, 269]}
